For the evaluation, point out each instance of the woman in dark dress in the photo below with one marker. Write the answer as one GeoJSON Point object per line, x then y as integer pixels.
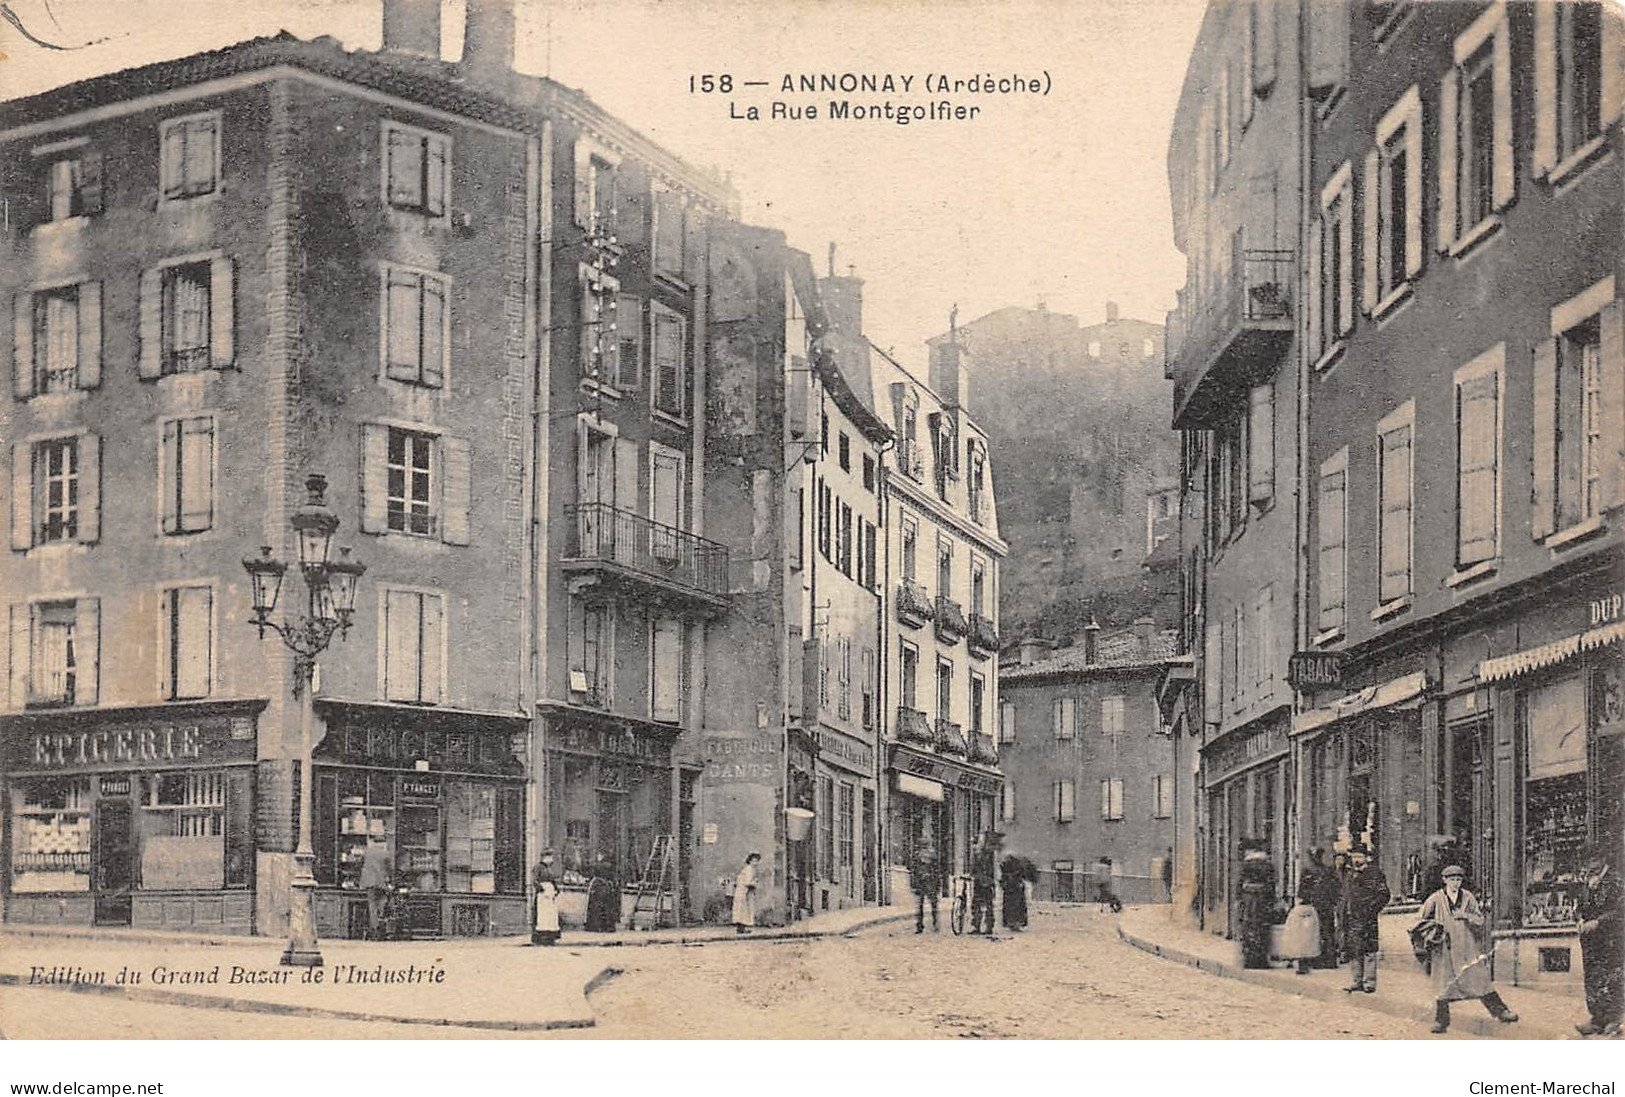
{"type": "Point", "coordinates": [603, 896]}
{"type": "Point", "coordinates": [1014, 873]}
{"type": "Point", "coordinates": [1257, 883]}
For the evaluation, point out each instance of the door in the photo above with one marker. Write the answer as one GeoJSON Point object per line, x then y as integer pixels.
{"type": "Point", "coordinates": [113, 870]}
{"type": "Point", "coordinates": [869, 875]}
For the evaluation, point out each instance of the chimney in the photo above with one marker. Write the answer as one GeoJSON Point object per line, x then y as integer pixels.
{"type": "Point", "coordinates": [1111, 312]}
{"type": "Point", "coordinates": [412, 27]}
{"type": "Point", "coordinates": [1091, 643]}
{"type": "Point", "coordinates": [1033, 649]}
{"type": "Point", "coordinates": [947, 374]}
{"type": "Point", "coordinates": [489, 37]}
{"type": "Point", "coordinates": [1145, 628]}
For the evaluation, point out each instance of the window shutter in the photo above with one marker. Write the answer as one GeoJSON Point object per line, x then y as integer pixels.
{"type": "Point", "coordinates": [455, 469]}
{"type": "Point", "coordinates": [1246, 80]}
{"type": "Point", "coordinates": [665, 685]}
{"type": "Point", "coordinates": [194, 617]}
{"type": "Point", "coordinates": [1315, 311]}
{"type": "Point", "coordinates": [90, 335]}
{"type": "Point", "coordinates": [90, 183]}
{"type": "Point", "coordinates": [1345, 260]}
{"type": "Point", "coordinates": [1475, 521]}
{"type": "Point", "coordinates": [625, 483]}
{"type": "Point", "coordinates": [196, 451]}
{"type": "Point", "coordinates": [1395, 448]}
{"type": "Point", "coordinates": [169, 458]}
{"type": "Point", "coordinates": [1413, 193]}
{"type": "Point", "coordinates": [1264, 47]}
{"type": "Point", "coordinates": [1449, 91]}
{"type": "Point", "coordinates": [629, 336]}
{"type": "Point", "coordinates": [434, 173]}
{"type": "Point", "coordinates": [695, 257]}
{"type": "Point", "coordinates": [1504, 186]}
{"type": "Point", "coordinates": [1613, 64]}
{"type": "Point", "coordinates": [150, 364]}
{"type": "Point", "coordinates": [1008, 809]}
{"type": "Point", "coordinates": [1055, 717]}
{"type": "Point", "coordinates": [90, 488]}
{"type": "Point", "coordinates": [632, 216]}
{"type": "Point", "coordinates": [400, 645]}
{"type": "Point", "coordinates": [22, 496]}
{"type": "Point", "coordinates": [222, 318]}
{"type": "Point", "coordinates": [22, 345]}
{"type": "Point", "coordinates": [374, 478]}
{"type": "Point", "coordinates": [1543, 496]}
{"type": "Point", "coordinates": [17, 653]}
{"type": "Point", "coordinates": [1544, 156]}
{"type": "Point", "coordinates": [1330, 574]}
{"type": "Point", "coordinates": [431, 637]}
{"type": "Point", "coordinates": [1371, 190]}
{"type": "Point", "coordinates": [1261, 444]}
{"type": "Point", "coordinates": [436, 349]}
{"type": "Point", "coordinates": [1612, 426]}
{"type": "Point", "coordinates": [87, 649]}
{"type": "Point", "coordinates": [583, 182]}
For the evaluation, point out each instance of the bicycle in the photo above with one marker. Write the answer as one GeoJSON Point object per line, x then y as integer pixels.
{"type": "Point", "coordinates": [956, 918]}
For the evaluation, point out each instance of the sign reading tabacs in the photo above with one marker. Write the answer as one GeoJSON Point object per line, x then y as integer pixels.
{"type": "Point", "coordinates": [1310, 669]}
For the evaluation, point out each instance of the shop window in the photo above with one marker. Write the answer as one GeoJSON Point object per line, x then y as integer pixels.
{"type": "Point", "coordinates": [183, 831]}
{"type": "Point", "coordinates": [1554, 807]}
{"type": "Point", "coordinates": [50, 828]}
{"type": "Point", "coordinates": [848, 838]}
{"type": "Point", "coordinates": [471, 837]}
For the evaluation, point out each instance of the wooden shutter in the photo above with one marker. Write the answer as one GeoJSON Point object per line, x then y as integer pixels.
{"type": "Point", "coordinates": [1261, 444]}
{"type": "Point", "coordinates": [90, 488]}
{"type": "Point", "coordinates": [1612, 410]}
{"type": "Point", "coordinates": [1247, 80]}
{"type": "Point", "coordinates": [1544, 155]}
{"type": "Point", "coordinates": [583, 184]}
{"type": "Point", "coordinates": [1345, 259]}
{"type": "Point", "coordinates": [1370, 242]}
{"type": "Point", "coordinates": [431, 636]}
{"type": "Point", "coordinates": [1413, 192]}
{"type": "Point", "coordinates": [18, 651]}
{"type": "Point", "coordinates": [668, 232]}
{"type": "Point", "coordinates": [666, 672]}
{"type": "Point", "coordinates": [435, 350]}
{"type": "Point", "coordinates": [1328, 43]}
{"type": "Point", "coordinates": [1478, 399]}
{"type": "Point", "coordinates": [403, 344]}
{"type": "Point", "coordinates": [401, 151]}
{"type": "Point", "coordinates": [1395, 454]}
{"type": "Point", "coordinates": [22, 496]}
{"type": "Point", "coordinates": [1316, 312]}
{"type": "Point", "coordinates": [435, 170]}
{"type": "Point", "coordinates": [169, 467]}
{"type": "Point", "coordinates": [150, 363]}
{"type": "Point", "coordinates": [193, 608]}
{"type": "Point", "coordinates": [90, 183]}
{"type": "Point", "coordinates": [632, 218]}
{"type": "Point", "coordinates": [619, 475]}
{"type": "Point", "coordinates": [1504, 184]}
{"type": "Point", "coordinates": [90, 335]}
{"type": "Point", "coordinates": [22, 345]}
{"type": "Point", "coordinates": [1613, 63]}
{"type": "Point", "coordinates": [455, 472]}
{"type": "Point", "coordinates": [196, 452]}
{"type": "Point", "coordinates": [1449, 93]}
{"type": "Point", "coordinates": [1543, 496]}
{"type": "Point", "coordinates": [1264, 47]}
{"type": "Point", "coordinates": [1332, 513]}
{"type": "Point", "coordinates": [629, 339]}
{"type": "Point", "coordinates": [401, 616]}
{"type": "Point", "coordinates": [87, 650]}
{"type": "Point", "coordinates": [374, 478]}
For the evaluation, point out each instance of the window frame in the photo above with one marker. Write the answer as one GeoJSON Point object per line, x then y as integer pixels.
{"type": "Point", "coordinates": [1111, 800]}
{"type": "Point", "coordinates": [1066, 800]}
{"type": "Point", "coordinates": [1007, 722]}
{"type": "Point", "coordinates": [420, 593]}
{"type": "Point", "coordinates": [1402, 420]}
{"type": "Point", "coordinates": [173, 358]}
{"type": "Point", "coordinates": [1064, 718]}
{"type": "Point", "coordinates": [659, 404]}
{"type": "Point", "coordinates": [70, 481]}
{"type": "Point", "coordinates": [428, 139]}
{"type": "Point", "coordinates": [1399, 134]}
{"type": "Point", "coordinates": [214, 117]}
{"type": "Point", "coordinates": [388, 273]}
{"type": "Point", "coordinates": [169, 593]}
{"type": "Point", "coordinates": [409, 469]}
{"type": "Point", "coordinates": [173, 479]}
{"type": "Point", "coordinates": [40, 367]}
{"type": "Point", "coordinates": [1113, 716]}
{"type": "Point", "coordinates": [1491, 364]}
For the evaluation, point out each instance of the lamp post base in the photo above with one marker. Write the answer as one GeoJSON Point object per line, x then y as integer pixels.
{"type": "Point", "coordinates": [302, 950]}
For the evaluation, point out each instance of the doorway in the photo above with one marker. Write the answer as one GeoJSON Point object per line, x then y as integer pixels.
{"type": "Point", "coordinates": [113, 869]}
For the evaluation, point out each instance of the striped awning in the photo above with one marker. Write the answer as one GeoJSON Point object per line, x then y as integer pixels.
{"type": "Point", "coordinates": [1396, 691]}
{"type": "Point", "coordinates": [1503, 667]}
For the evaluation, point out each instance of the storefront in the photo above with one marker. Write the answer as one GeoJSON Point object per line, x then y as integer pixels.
{"type": "Point", "coordinates": [444, 794]}
{"type": "Point", "coordinates": [1245, 775]}
{"type": "Point", "coordinates": [940, 803]}
{"type": "Point", "coordinates": [607, 795]}
{"type": "Point", "coordinates": [844, 822]}
{"type": "Point", "coordinates": [136, 817]}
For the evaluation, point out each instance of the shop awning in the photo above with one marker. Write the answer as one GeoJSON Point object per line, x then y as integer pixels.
{"type": "Point", "coordinates": [1503, 667]}
{"type": "Point", "coordinates": [1396, 691]}
{"type": "Point", "coordinates": [919, 786]}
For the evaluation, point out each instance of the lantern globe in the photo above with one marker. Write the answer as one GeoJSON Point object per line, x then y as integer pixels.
{"type": "Point", "coordinates": [314, 525]}
{"type": "Point", "coordinates": [265, 573]}
{"type": "Point", "coordinates": [342, 576]}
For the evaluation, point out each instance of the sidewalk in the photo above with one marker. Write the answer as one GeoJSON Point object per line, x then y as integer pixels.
{"type": "Point", "coordinates": [1404, 990]}
{"type": "Point", "coordinates": [482, 983]}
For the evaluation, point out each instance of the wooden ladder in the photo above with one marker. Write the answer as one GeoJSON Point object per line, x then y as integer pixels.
{"type": "Point", "coordinates": [659, 881]}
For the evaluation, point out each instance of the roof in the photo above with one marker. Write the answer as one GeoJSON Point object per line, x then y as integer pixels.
{"type": "Point", "coordinates": [1119, 650]}
{"type": "Point", "coordinates": [512, 101]}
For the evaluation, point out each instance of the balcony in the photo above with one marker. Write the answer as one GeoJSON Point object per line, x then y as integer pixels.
{"type": "Point", "coordinates": [983, 637]}
{"type": "Point", "coordinates": [639, 557]}
{"type": "Point", "coordinates": [950, 620]}
{"type": "Point", "coordinates": [982, 750]}
{"type": "Point", "coordinates": [1225, 342]}
{"type": "Point", "coordinates": [951, 739]}
{"type": "Point", "coordinates": [913, 727]}
{"type": "Point", "coordinates": [914, 607]}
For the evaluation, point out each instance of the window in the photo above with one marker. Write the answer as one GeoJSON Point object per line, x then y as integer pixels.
{"type": "Point", "coordinates": [56, 494]}
{"type": "Point", "coordinates": [1228, 515]}
{"type": "Point", "coordinates": [186, 318]}
{"type": "Point", "coordinates": [669, 376]}
{"type": "Point", "coordinates": [190, 162]}
{"type": "Point", "coordinates": [50, 827]}
{"type": "Point", "coordinates": [186, 475]}
{"type": "Point", "coordinates": [823, 431]}
{"type": "Point", "coordinates": [1478, 460]}
{"type": "Point", "coordinates": [1063, 714]}
{"type": "Point", "coordinates": [868, 473]}
{"type": "Point", "coordinates": [908, 677]}
{"type": "Point", "coordinates": [1111, 715]}
{"type": "Point", "coordinates": [1332, 524]}
{"type": "Point", "coordinates": [1111, 799]}
{"type": "Point", "coordinates": [1066, 795]}
{"type": "Point", "coordinates": [1393, 204]}
{"type": "Point", "coordinates": [945, 568]}
{"type": "Point", "coordinates": [798, 513]}
{"type": "Point", "coordinates": [1264, 635]}
{"type": "Point", "coordinates": [978, 696]}
{"type": "Point", "coordinates": [1260, 446]}
{"type": "Point", "coordinates": [871, 556]}
{"type": "Point", "coordinates": [54, 648]}
{"type": "Point", "coordinates": [1162, 795]}
{"type": "Point", "coordinates": [1332, 262]}
{"type": "Point", "coordinates": [56, 340]}
{"type": "Point", "coordinates": [844, 451]}
{"type": "Point", "coordinates": [844, 559]}
{"type": "Point", "coordinates": [667, 238]}
{"type": "Point", "coordinates": [1394, 513]}
{"type": "Point", "coordinates": [945, 690]}
{"type": "Point", "coordinates": [843, 677]}
{"type": "Point", "coordinates": [57, 667]}
{"type": "Point", "coordinates": [188, 631]}
{"type": "Point", "coordinates": [978, 585]}
{"type": "Point", "coordinates": [1556, 779]}
{"type": "Point", "coordinates": [1007, 802]}
{"type": "Point", "coordinates": [1477, 175]}
{"type": "Point", "coordinates": [911, 540]}
{"type": "Point", "coordinates": [826, 520]}
{"type": "Point", "coordinates": [975, 482]}
{"type": "Point", "coordinates": [600, 312]}
{"type": "Point", "coordinates": [1579, 423]}
{"type": "Point", "coordinates": [414, 635]}
{"type": "Point", "coordinates": [415, 483]}
{"type": "Point", "coordinates": [627, 334]}
{"type": "Point", "coordinates": [1569, 61]}
{"type": "Point", "coordinates": [73, 185]}
{"type": "Point", "coordinates": [846, 837]}
{"type": "Point", "coordinates": [410, 483]}
{"type": "Point", "coordinates": [1579, 415]}
{"type": "Point", "coordinates": [416, 343]}
{"type": "Point", "coordinates": [1007, 722]}
{"type": "Point", "coordinates": [667, 669]}
{"type": "Point", "coordinates": [826, 828]}
{"type": "Point", "coordinates": [601, 195]}
{"type": "Point", "coordinates": [868, 687]}
{"type": "Point", "coordinates": [56, 490]}
{"type": "Point", "coordinates": [417, 171]}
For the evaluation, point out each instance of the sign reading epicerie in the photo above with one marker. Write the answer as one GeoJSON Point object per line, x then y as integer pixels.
{"type": "Point", "coordinates": [130, 745]}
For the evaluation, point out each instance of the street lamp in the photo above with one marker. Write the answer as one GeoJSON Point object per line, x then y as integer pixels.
{"type": "Point", "coordinates": [331, 589]}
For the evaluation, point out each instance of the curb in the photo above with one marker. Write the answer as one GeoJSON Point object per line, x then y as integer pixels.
{"type": "Point", "coordinates": [775, 936]}
{"type": "Point", "coordinates": [1478, 1026]}
{"type": "Point", "coordinates": [288, 1009]}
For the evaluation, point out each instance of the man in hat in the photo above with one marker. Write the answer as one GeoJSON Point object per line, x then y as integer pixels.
{"type": "Point", "coordinates": [926, 883]}
{"type": "Point", "coordinates": [1602, 947]}
{"type": "Point", "coordinates": [984, 877]}
{"type": "Point", "coordinates": [1365, 893]}
{"type": "Point", "coordinates": [1459, 961]}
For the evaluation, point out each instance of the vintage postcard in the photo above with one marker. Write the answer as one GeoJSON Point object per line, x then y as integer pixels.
{"type": "Point", "coordinates": [1010, 520]}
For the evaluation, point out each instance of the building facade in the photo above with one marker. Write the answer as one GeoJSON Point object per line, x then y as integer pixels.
{"type": "Point", "coordinates": [1082, 723]}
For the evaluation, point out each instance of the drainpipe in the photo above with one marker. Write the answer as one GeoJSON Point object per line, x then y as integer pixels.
{"type": "Point", "coordinates": [882, 664]}
{"type": "Point", "coordinates": [1303, 147]}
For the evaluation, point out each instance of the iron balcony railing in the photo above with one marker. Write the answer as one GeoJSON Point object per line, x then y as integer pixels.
{"type": "Point", "coordinates": [950, 620]}
{"type": "Point", "coordinates": [607, 534]}
{"type": "Point", "coordinates": [983, 637]}
{"type": "Point", "coordinates": [1254, 294]}
{"type": "Point", "coordinates": [951, 739]}
{"type": "Point", "coordinates": [982, 750]}
{"type": "Point", "coordinates": [913, 727]}
{"type": "Point", "coordinates": [914, 606]}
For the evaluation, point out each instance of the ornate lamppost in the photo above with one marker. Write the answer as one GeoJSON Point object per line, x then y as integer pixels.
{"type": "Point", "coordinates": [331, 589]}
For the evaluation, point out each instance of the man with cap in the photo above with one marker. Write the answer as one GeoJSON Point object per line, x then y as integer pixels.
{"type": "Point", "coordinates": [1459, 962]}
{"type": "Point", "coordinates": [984, 872]}
{"type": "Point", "coordinates": [1602, 947]}
{"type": "Point", "coordinates": [1365, 893]}
{"type": "Point", "coordinates": [926, 883]}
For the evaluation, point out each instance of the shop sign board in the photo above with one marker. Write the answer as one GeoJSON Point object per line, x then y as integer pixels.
{"type": "Point", "coordinates": [611, 742]}
{"type": "Point", "coordinates": [945, 772]}
{"type": "Point", "coordinates": [750, 759]}
{"type": "Point", "coordinates": [1306, 669]}
{"type": "Point", "coordinates": [420, 788]}
{"type": "Point", "coordinates": [846, 751]}
{"type": "Point", "coordinates": [1607, 609]}
{"type": "Point", "coordinates": [139, 744]}
{"type": "Point", "coordinates": [1239, 750]}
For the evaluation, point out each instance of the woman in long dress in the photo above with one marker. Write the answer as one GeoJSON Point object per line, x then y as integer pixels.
{"type": "Point", "coordinates": [603, 896]}
{"type": "Point", "coordinates": [544, 928]}
{"type": "Point", "coordinates": [1459, 964]}
{"type": "Point", "coordinates": [744, 910]}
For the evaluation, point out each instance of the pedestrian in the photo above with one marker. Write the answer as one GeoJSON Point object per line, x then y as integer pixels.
{"type": "Point", "coordinates": [1340, 875]}
{"type": "Point", "coordinates": [544, 927]}
{"type": "Point", "coordinates": [1104, 895]}
{"type": "Point", "coordinates": [603, 895]}
{"type": "Point", "coordinates": [1014, 874]}
{"type": "Point", "coordinates": [1459, 961]}
{"type": "Point", "coordinates": [984, 878]}
{"type": "Point", "coordinates": [1168, 874]}
{"type": "Point", "coordinates": [744, 910]}
{"type": "Point", "coordinates": [926, 883]}
{"type": "Point", "coordinates": [1443, 851]}
{"type": "Point", "coordinates": [375, 880]}
{"type": "Point", "coordinates": [1256, 881]}
{"type": "Point", "coordinates": [1602, 947]}
{"type": "Point", "coordinates": [1318, 886]}
{"type": "Point", "coordinates": [1365, 893]}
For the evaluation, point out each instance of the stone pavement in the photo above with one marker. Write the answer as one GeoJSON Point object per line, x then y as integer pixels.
{"type": "Point", "coordinates": [489, 983]}
{"type": "Point", "coordinates": [1403, 988]}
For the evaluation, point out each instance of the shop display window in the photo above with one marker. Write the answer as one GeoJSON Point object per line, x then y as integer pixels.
{"type": "Point", "coordinates": [366, 809]}
{"type": "Point", "coordinates": [50, 848]}
{"type": "Point", "coordinates": [614, 808]}
{"type": "Point", "coordinates": [183, 830]}
{"type": "Point", "coordinates": [1554, 803]}
{"type": "Point", "coordinates": [418, 852]}
{"type": "Point", "coordinates": [471, 838]}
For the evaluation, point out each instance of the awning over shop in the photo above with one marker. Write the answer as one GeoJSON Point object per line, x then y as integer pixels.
{"type": "Point", "coordinates": [919, 786]}
{"type": "Point", "coordinates": [1396, 691]}
{"type": "Point", "coordinates": [1503, 667]}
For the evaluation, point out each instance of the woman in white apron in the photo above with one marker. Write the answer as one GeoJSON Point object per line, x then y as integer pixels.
{"type": "Point", "coordinates": [744, 912]}
{"type": "Point", "coordinates": [544, 929]}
